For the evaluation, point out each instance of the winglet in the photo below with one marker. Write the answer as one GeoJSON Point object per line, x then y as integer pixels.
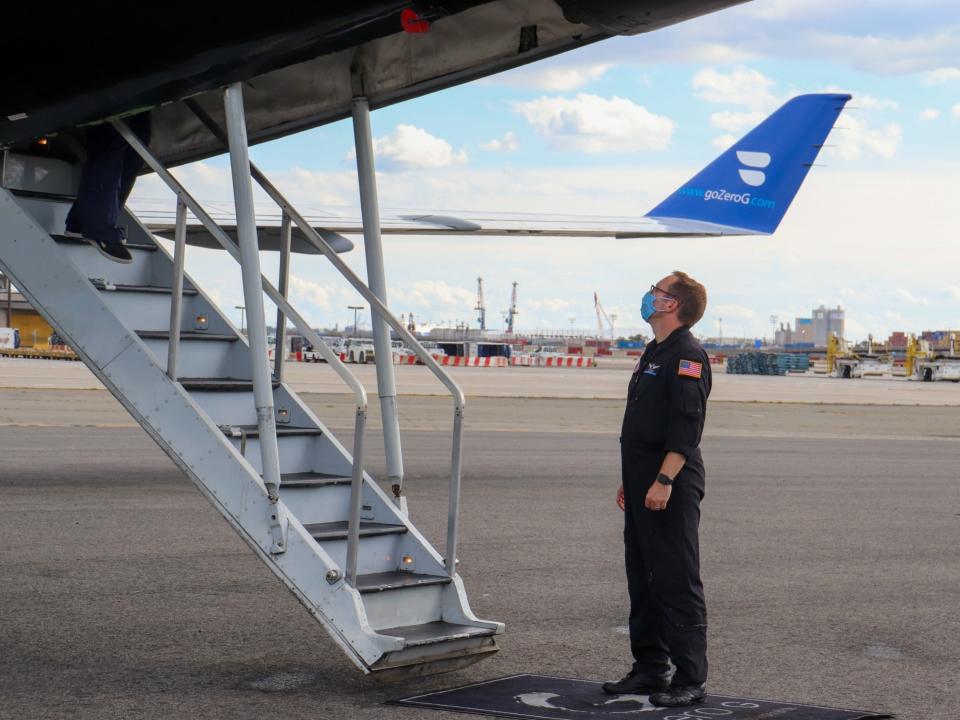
{"type": "Point", "coordinates": [751, 185]}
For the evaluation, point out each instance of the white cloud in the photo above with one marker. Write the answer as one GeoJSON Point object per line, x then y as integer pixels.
{"type": "Point", "coordinates": [955, 111]}
{"type": "Point", "coordinates": [551, 304]}
{"type": "Point", "coordinates": [888, 54]}
{"type": "Point", "coordinates": [559, 78]}
{"type": "Point", "coordinates": [733, 311]}
{"type": "Point", "coordinates": [724, 142]}
{"type": "Point", "coordinates": [431, 294]}
{"type": "Point", "coordinates": [507, 143]}
{"type": "Point", "coordinates": [733, 121]}
{"type": "Point", "coordinates": [909, 297]}
{"type": "Point", "coordinates": [595, 124]}
{"type": "Point", "coordinates": [409, 147]}
{"type": "Point", "coordinates": [930, 114]}
{"type": "Point", "coordinates": [869, 102]}
{"type": "Point", "coordinates": [310, 292]}
{"type": "Point", "coordinates": [856, 139]}
{"type": "Point", "coordinates": [741, 86]}
{"type": "Point", "coordinates": [941, 75]}
{"type": "Point", "coordinates": [954, 291]}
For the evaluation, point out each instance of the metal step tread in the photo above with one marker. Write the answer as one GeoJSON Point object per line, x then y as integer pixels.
{"type": "Point", "coordinates": [301, 480]}
{"type": "Point", "coordinates": [100, 284]}
{"type": "Point", "coordinates": [252, 431]}
{"type": "Point", "coordinates": [338, 530]}
{"type": "Point", "coordinates": [185, 335]}
{"type": "Point", "coordinates": [432, 633]}
{"type": "Point", "coordinates": [220, 384]}
{"type": "Point", "coordinates": [397, 580]}
{"type": "Point", "coordinates": [63, 239]}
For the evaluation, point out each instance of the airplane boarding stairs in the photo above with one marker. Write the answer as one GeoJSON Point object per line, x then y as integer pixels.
{"type": "Point", "coordinates": [403, 612]}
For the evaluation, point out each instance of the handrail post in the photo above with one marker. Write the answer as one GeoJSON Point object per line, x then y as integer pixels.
{"type": "Point", "coordinates": [356, 499]}
{"type": "Point", "coordinates": [376, 277]}
{"type": "Point", "coordinates": [456, 470]}
{"type": "Point", "coordinates": [253, 299]}
{"type": "Point", "coordinates": [280, 336]}
{"type": "Point", "coordinates": [176, 293]}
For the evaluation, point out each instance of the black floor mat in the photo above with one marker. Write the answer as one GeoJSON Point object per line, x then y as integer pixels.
{"type": "Point", "coordinates": [539, 697]}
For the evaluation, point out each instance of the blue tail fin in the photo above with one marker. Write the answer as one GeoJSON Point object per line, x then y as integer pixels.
{"type": "Point", "coordinates": [751, 185]}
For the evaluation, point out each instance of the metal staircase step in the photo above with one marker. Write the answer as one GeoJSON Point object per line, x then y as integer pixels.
{"type": "Point", "coordinates": [185, 335]}
{"type": "Point", "coordinates": [252, 431]}
{"type": "Point", "coordinates": [432, 633]}
{"type": "Point", "coordinates": [64, 240]}
{"type": "Point", "coordinates": [100, 284]}
{"type": "Point", "coordinates": [220, 384]}
{"type": "Point", "coordinates": [305, 480]}
{"type": "Point", "coordinates": [397, 580]}
{"type": "Point", "coordinates": [338, 530]}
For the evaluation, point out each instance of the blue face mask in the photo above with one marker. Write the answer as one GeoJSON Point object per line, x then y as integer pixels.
{"type": "Point", "coordinates": [647, 307]}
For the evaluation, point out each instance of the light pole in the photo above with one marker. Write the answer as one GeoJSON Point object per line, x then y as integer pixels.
{"type": "Point", "coordinates": [773, 323]}
{"type": "Point", "coordinates": [242, 309]}
{"type": "Point", "coordinates": [720, 323]}
{"type": "Point", "coordinates": [356, 309]}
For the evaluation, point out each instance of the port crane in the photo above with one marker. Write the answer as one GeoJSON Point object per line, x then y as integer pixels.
{"type": "Point", "coordinates": [512, 313]}
{"type": "Point", "coordinates": [481, 308]}
{"type": "Point", "coordinates": [601, 316]}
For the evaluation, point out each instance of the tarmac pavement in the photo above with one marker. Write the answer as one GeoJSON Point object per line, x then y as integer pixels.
{"type": "Point", "coordinates": [830, 564]}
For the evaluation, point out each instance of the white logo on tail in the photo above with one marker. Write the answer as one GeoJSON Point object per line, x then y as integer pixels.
{"type": "Point", "coordinates": [753, 178]}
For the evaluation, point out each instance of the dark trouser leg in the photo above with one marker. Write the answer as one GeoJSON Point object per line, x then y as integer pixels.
{"type": "Point", "coordinates": [107, 180]}
{"type": "Point", "coordinates": [132, 162]}
{"type": "Point", "coordinates": [646, 634]}
{"type": "Point", "coordinates": [673, 554]}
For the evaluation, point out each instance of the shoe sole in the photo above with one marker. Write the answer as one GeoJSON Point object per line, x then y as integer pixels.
{"type": "Point", "coordinates": [108, 256]}
{"type": "Point", "coordinates": [634, 691]}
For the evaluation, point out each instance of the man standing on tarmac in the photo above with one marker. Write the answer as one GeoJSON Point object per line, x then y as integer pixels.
{"type": "Point", "coordinates": [663, 484]}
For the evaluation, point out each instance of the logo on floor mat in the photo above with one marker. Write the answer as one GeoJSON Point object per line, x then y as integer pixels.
{"type": "Point", "coordinates": [552, 701]}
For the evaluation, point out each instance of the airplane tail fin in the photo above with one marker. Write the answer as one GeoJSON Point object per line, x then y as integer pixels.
{"type": "Point", "coordinates": [751, 185]}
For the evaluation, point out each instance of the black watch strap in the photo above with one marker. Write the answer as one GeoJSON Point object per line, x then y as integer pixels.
{"type": "Point", "coordinates": [664, 479]}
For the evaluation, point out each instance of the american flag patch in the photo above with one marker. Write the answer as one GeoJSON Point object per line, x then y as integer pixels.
{"type": "Point", "coordinates": [688, 368]}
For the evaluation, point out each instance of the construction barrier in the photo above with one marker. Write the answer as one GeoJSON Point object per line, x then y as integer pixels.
{"type": "Point", "coordinates": [568, 361]}
{"type": "Point", "coordinates": [522, 360]}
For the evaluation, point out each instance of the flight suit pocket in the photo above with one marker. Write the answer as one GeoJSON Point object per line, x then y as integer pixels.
{"type": "Point", "coordinates": [692, 402]}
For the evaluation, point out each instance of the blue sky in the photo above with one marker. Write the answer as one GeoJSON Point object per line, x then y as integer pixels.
{"type": "Point", "coordinates": [613, 128]}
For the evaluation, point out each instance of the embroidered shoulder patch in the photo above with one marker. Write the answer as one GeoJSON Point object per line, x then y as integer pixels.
{"type": "Point", "coordinates": [689, 368]}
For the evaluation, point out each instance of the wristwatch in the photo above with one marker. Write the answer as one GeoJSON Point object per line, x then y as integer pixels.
{"type": "Point", "coordinates": [664, 479]}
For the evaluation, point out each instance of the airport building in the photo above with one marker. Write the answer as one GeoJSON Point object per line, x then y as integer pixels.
{"type": "Point", "coordinates": [17, 313]}
{"type": "Point", "coordinates": [813, 331]}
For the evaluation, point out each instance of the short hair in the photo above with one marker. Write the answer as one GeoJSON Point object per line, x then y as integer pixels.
{"type": "Point", "coordinates": [692, 296]}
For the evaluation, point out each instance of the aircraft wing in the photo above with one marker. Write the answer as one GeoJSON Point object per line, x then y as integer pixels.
{"type": "Point", "coordinates": [745, 191]}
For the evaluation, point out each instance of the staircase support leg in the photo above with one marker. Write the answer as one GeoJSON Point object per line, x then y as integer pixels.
{"type": "Point", "coordinates": [253, 299]}
{"type": "Point", "coordinates": [280, 342]}
{"type": "Point", "coordinates": [373, 248]}
{"type": "Point", "coordinates": [176, 295]}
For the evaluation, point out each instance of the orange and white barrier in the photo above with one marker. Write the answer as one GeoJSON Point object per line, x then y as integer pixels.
{"type": "Point", "coordinates": [460, 361]}
{"type": "Point", "coordinates": [455, 361]}
{"type": "Point", "coordinates": [522, 360]}
{"type": "Point", "coordinates": [568, 361]}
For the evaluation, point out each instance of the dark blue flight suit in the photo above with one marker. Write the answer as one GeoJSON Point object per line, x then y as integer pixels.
{"type": "Point", "coordinates": [666, 408]}
{"type": "Point", "coordinates": [108, 176]}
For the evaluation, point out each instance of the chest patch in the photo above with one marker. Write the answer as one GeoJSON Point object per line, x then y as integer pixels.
{"type": "Point", "coordinates": [651, 369]}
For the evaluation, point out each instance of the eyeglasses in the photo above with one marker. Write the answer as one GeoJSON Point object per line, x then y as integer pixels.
{"type": "Point", "coordinates": [669, 296]}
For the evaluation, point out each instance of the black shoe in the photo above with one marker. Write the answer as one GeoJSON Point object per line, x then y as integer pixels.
{"type": "Point", "coordinates": [111, 247]}
{"type": "Point", "coordinates": [639, 683]}
{"type": "Point", "coordinates": [680, 696]}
